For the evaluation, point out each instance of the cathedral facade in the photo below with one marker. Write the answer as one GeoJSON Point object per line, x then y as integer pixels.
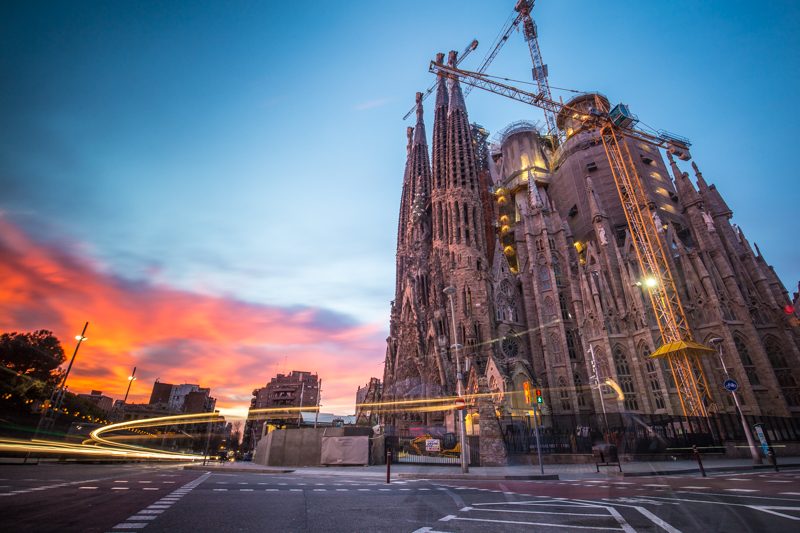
{"type": "Point", "coordinates": [548, 290]}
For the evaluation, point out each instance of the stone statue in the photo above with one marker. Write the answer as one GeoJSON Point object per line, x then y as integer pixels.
{"type": "Point", "coordinates": [601, 234]}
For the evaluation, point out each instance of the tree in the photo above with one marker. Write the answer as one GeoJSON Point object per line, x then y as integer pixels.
{"type": "Point", "coordinates": [29, 364]}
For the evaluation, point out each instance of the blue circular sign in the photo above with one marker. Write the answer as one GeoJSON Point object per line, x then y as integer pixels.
{"type": "Point", "coordinates": [730, 385]}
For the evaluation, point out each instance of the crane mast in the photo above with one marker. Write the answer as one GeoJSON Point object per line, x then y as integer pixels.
{"type": "Point", "coordinates": [539, 71]}
{"type": "Point", "coordinates": [677, 344]}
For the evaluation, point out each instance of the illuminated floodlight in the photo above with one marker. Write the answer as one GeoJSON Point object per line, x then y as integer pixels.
{"type": "Point", "coordinates": [80, 338]}
{"type": "Point", "coordinates": [650, 282]}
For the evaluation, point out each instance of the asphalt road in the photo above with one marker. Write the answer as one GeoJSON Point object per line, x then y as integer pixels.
{"type": "Point", "coordinates": [160, 498]}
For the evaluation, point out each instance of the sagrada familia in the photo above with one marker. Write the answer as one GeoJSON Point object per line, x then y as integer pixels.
{"type": "Point", "coordinates": [535, 242]}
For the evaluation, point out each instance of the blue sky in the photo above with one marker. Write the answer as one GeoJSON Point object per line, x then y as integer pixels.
{"type": "Point", "coordinates": [255, 150]}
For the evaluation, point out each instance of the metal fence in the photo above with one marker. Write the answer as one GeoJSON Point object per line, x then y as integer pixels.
{"type": "Point", "coordinates": [637, 434]}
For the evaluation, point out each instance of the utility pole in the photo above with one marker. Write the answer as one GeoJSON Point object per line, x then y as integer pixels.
{"type": "Point", "coordinates": [319, 395]}
{"type": "Point", "coordinates": [302, 389]}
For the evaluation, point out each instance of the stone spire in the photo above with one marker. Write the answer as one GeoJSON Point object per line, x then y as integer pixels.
{"type": "Point", "coordinates": [456, 96]}
{"type": "Point", "coordinates": [686, 191]}
{"type": "Point", "coordinates": [594, 203]}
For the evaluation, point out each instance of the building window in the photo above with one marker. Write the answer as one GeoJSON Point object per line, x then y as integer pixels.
{"type": "Point", "coordinates": [544, 278]}
{"type": "Point", "coordinates": [783, 373]}
{"type": "Point", "coordinates": [563, 393]}
{"type": "Point", "coordinates": [571, 349]}
{"type": "Point", "coordinates": [625, 379]}
{"type": "Point", "coordinates": [580, 392]}
{"type": "Point", "coordinates": [549, 310]}
{"type": "Point", "coordinates": [554, 346]}
{"type": "Point", "coordinates": [747, 363]}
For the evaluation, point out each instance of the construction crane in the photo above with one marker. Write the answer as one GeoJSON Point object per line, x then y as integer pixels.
{"type": "Point", "coordinates": [470, 47]}
{"type": "Point", "coordinates": [539, 71]}
{"type": "Point", "coordinates": [677, 347]}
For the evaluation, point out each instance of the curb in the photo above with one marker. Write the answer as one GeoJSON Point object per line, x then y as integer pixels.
{"type": "Point", "coordinates": [708, 469]}
{"type": "Point", "coordinates": [549, 477]}
{"type": "Point", "coordinates": [219, 469]}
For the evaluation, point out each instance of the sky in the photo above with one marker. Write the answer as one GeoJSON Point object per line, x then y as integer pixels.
{"type": "Point", "coordinates": [215, 186]}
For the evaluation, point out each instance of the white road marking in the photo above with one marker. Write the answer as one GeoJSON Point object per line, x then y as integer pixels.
{"type": "Point", "coordinates": [654, 485]}
{"type": "Point", "coordinates": [88, 488]}
{"type": "Point", "coordinates": [131, 525]}
{"type": "Point", "coordinates": [142, 517]}
{"type": "Point", "coordinates": [779, 481]}
{"type": "Point", "coordinates": [742, 490]}
{"type": "Point", "coordinates": [245, 490]}
{"type": "Point", "coordinates": [220, 490]}
{"type": "Point", "coordinates": [150, 488]}
{"type": "Point", "coordinates": [119, 488]}
{"type": "Point", "coordinates": [790, 493]}
{"type": "Point", "coordinates": [696, 488]}
{"type": "Point", "coordinates": [774, 510]}
{"type": "Point", "coordinates": [531, 512]}
{"type": "Point", "coordinates": [569, 526]}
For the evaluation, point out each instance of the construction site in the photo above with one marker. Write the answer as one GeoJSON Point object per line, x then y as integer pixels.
{"type": "Point", "coordinates": [567, 282]}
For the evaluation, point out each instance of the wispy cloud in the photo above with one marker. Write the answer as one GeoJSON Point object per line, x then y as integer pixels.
{"type": "Point", "coordinates": [371, 104]}
{"type": "Point", "coordinates": [176, 335]}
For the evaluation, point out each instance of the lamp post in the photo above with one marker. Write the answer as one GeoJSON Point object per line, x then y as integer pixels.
{"type": "Point", "coordinates": [717, 341]}
{"type": "Point", "coordinates": [450, 291]}
{"type": "Point", "coordinates": [62, 388]}
{"type": "Point", "coordinates": [131, 379]}
{"type": "Point", "coordinates": [599, 390]}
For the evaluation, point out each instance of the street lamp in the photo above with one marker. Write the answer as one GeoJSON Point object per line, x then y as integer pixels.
{"type": "Point", "coordinates": [450, 291]}
{"type": "Point", "coordinates": [717, 341]}
{"type": "Point", "coordinates": [599, 390]}
{"type": "Point", "coordinates": [62, 388]}
{"type": "Point", "coordinates": [131, 379]}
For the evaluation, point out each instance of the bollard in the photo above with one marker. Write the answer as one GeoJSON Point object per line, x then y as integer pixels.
{"type": "Point", "coordinates": [773, 458]}
{"type": "Point", "coordinates": [696, 454]}
{"type": "Point", "coordinates": [388, 464]}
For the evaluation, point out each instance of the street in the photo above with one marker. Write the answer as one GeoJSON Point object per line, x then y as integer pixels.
{"type": "Point", "coordinates": [136, 497]}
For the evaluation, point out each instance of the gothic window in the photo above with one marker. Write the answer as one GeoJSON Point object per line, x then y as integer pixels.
{"type": "Point", "coordinates": [783, 373]}
{"type": "Point", "coordinates": [510, 346]}
{"type": "Point", "coordinates": [625, 379]}
{"type": "Point", "coordinates": [579, 390]}
{"type": "Point", "coordinates": [539, 245]}
{"type": "Point", "coordinates": [571, 349]}
{"type": "Point", "coordinates": [554, 346]}
{"type": "Point", "coordinates": [652, 378]}
{"type": "Point", "coordinates": [552, 243]}
{"type": "Point", "coordinates": [476, 331]}
{"type": "Point", "coordinates": [467, 301]}
{"type": "Point", "coordinates": [563, 393]}
{"type": "Point", "coordinates": [498, 311]}
{"type": "Point", "coordinates": [549, 310]}
{"type": "Point", "coordinates": [457, 217]}
{"type": "Point", "coordinates": [466, 225]}
{"type": "Point", "coordinates": [667, 371]}
{"type": "Point", "coordinates": [747, 363]}
{"type": "Point", "coordinates": [439, 223]}
{"type": "Point", "coordinates": [544, 278]}
{"type": "Point", "coordinates": [562, 303]}
{"type": "Point", "coordinates": [475, 228]}
{"type": "Point", "coordinates": [557, 271]}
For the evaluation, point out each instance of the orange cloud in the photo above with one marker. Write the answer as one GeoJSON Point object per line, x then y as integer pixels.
{"type": "Point", "coordinates": [175, 335]}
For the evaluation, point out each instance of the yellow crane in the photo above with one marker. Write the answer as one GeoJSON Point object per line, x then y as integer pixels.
{"type": "Point", "coordinates": [678, 347]}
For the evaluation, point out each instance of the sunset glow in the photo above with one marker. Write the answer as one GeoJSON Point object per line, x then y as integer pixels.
{"type": "Point", "coordinates": [175, 335]}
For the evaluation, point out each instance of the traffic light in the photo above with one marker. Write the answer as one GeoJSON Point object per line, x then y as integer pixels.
{"type": "Point", "coordinates": [539, 398]}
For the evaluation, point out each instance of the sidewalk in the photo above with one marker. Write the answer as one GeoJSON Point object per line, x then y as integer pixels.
{"type": "Point", "coordinates": [555, 471]}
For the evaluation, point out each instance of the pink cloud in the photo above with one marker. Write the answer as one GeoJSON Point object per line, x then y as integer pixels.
{"type": "Point", "coordinates": [175, 335]}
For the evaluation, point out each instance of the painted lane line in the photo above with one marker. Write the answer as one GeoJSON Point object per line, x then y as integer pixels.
{"type": "Point", "coordinates": [220, 490]}
{"type": "Point", "coordinates": [742, 490]}
{"type": "Point", "coordinates": [779, 481]}
{"type": "Point", "coordinates": [150, 488]}
{"type": "Point", "coordinates": [790, 493]}
{"type": "Point", "coordinates": [245, 490]}
{"type": "Point", "coordinates": [654, 485]}
{"type": "Point", "coordinates": [532, 512]}
{"type": "Point", "coordinates": [160, 506]}
{"type": "Point", "coordinates": [569, 526]}
{"type": "Point", "coordinates": [120, 481]}
{"type": "Point", "coordinates": [698, 488]}
{"type": "Point", "coordinates": [136, 518]}
{"type": "Point", "coordinates": [119, 488]}
{"type": "Point", "coordinates": [295, 490]}
{"type": "Point", "coordinates": [88, 488]}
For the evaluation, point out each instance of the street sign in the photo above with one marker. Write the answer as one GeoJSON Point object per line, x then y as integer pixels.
{"type": "Point", "coordinates": [461, 403]}
{"type": "Point", "coordinates": [731, 385]}
{"type": "Point", "coordinates": [433, 445]}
